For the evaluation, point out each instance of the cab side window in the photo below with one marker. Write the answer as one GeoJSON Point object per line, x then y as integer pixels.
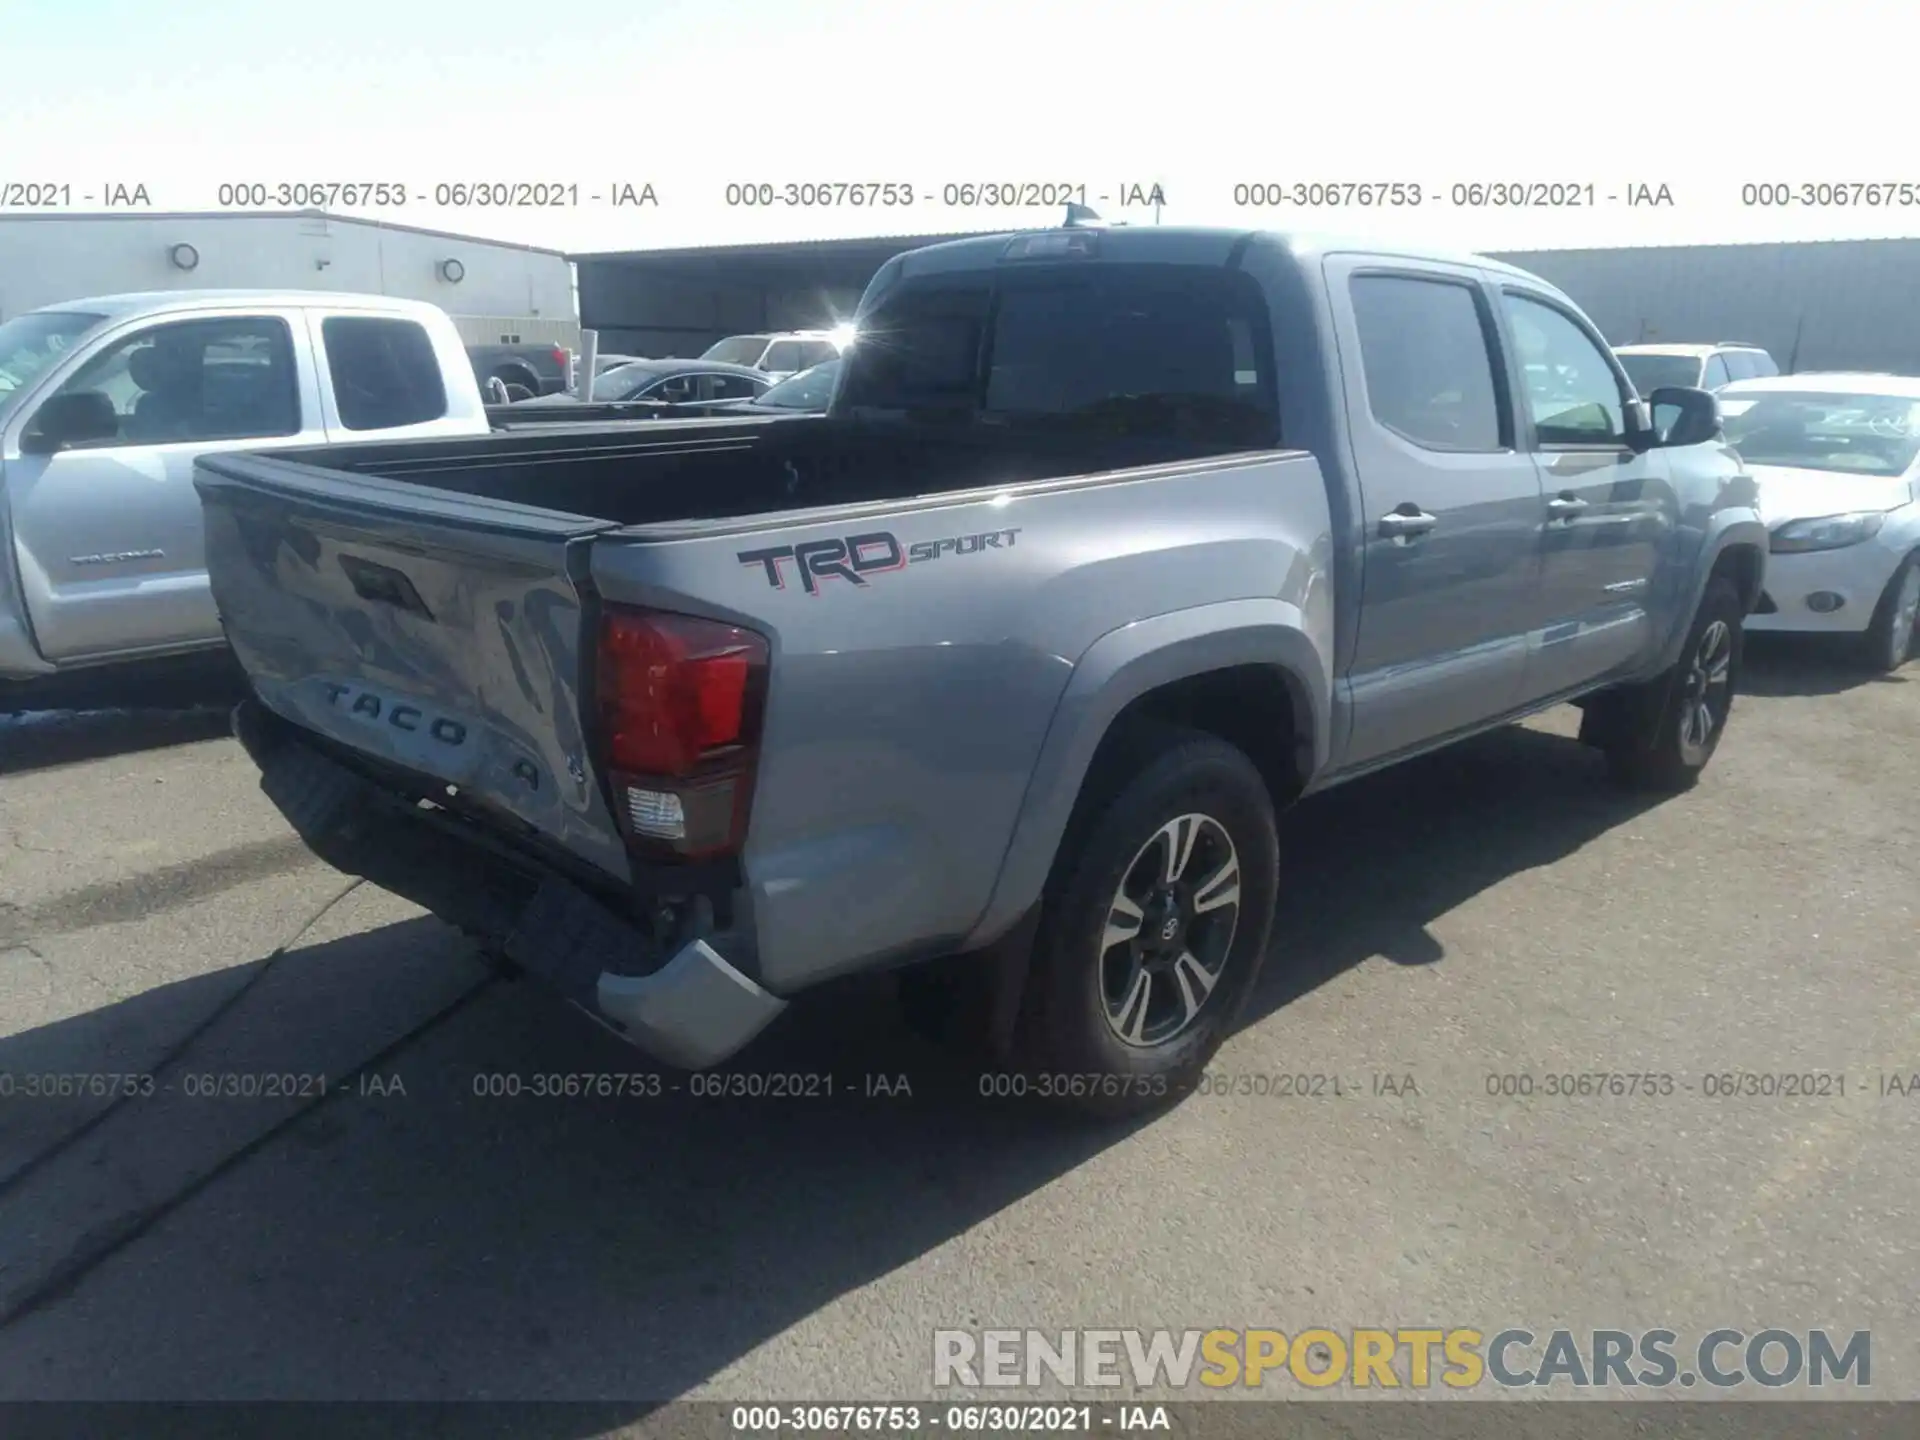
{"type": "Point", "coordinates": [1720, 370]}
{"type": "Point", "coordinates": [220, 379]}
{"type": "Point", "coordinates": [1572, 393]}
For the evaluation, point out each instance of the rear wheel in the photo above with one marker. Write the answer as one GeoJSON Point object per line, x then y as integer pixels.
{"type": "Point", "coordinates": [1153, 930]}
{"type": "Point", "coordinates": [1660, 736]}
{"type": "Point", "coordinates": [1889, 641]}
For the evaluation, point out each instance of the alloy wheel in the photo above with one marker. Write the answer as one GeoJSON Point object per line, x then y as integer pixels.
{"type": "Point", "coordinates": [1169, 930]}
{"type": "Point", "coordinates": [1707, 691]}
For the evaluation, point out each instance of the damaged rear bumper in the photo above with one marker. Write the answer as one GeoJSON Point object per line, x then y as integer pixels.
{"type": "Point", "coordinates": [689, 1008]}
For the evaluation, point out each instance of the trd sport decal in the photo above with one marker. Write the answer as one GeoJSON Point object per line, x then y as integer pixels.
{"type": "Point", "coordinates": [855, 557]}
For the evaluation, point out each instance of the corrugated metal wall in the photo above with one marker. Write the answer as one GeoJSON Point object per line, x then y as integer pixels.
{"type": "Point", "coordinates": [517, 330]}
{"type": "Point", "coordinates": [1848, 304]}
{"type": "Point", "coordinates": [640, 312]}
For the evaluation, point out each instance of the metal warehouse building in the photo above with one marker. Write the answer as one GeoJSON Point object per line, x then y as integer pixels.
{"type": "Point", "coordinates": [494, 290]}
{"type": "Point", "coordinates": [1816, 305]}
{"type": "Point", "coordinates": [1841, 304]}
{"type": "Point", "coordinates": [677, 302]}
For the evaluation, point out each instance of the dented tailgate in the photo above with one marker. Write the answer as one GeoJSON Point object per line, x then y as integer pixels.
{"type": "Point", "coordinates": [441, 633]}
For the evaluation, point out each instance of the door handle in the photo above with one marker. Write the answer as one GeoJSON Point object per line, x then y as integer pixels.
{"type": "Point", "coordinates": [1565, 507]}
{"type": "Point", "coordinates": [1406, 523]}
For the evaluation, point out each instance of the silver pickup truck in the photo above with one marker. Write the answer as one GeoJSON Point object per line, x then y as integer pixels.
{"type": "Point", "coordinates": [1111, 543]}
{"type": "Point", "coordinates": [105, 403]}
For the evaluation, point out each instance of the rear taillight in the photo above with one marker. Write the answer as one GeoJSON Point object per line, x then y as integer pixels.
{"type": "Point", "coordinates": [680, 706]}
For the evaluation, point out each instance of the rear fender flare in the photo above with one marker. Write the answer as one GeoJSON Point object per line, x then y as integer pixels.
{"type": "Point", "coordinates": [1118, 669]}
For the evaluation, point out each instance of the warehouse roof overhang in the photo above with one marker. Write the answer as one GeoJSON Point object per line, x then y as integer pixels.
{"type": "Point", "coordinates": [781, 262]}
{"type": "Point", "coordinates": [329, 217]}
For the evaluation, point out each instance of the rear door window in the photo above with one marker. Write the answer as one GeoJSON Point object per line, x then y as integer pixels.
{"type": "Point", "coordinates": [385, 372]}
{"type": "Point", "coordinates": [1429, 371]}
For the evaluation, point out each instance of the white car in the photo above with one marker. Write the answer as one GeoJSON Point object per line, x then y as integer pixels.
{"type": "Point", "coordinates": [781, 354]}
{"type": "Point", "coordinates": [1837, 458]}
{"type": "Point", "coordinates": [1699, 367]}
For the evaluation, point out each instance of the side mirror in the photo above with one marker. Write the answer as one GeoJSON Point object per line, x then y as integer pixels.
{"type": "Point", "coordinates": [1684, 416]}
{"type": "Point", "coordinates": [70, 419]}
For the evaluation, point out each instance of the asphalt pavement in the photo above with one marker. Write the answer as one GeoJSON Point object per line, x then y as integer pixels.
{"type": "Point", "coordinates": [400, 1229]}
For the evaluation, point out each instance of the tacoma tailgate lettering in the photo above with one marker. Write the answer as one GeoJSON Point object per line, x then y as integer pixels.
{"type": "Point", "coordinates": [402, 717]}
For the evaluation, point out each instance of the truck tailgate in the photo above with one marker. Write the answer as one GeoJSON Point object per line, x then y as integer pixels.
{"type": "Point", "coordinates": [439, 633]}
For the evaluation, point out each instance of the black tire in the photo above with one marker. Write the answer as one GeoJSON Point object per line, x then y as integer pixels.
{"type": "Point", "coordinates": [1653, 737]}
{"type": "Point", "coordinates": [512, 375]}
{"type": "Point", "coordinates": [1068, 1048]}
{"type": "Point", "coordinates": [1889, 641]}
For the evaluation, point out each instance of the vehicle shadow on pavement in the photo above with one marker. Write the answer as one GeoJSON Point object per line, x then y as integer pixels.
{"type": "Point", "coordinates": [98, 716]}
{"type": "Point", "coordinates": [43, 739]}
{"type": "Point", "coordinates": [421, 1235]}
{"type": "Point", "coordinates": [1808, 665]}
{"type": "Point", "coordinates": [1367, 867]}
{"type": "Point", "coordinates": [426, 1234]}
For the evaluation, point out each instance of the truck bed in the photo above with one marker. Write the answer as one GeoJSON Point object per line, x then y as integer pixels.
{"type": "Point", "coordinates": [431, 616]}
{"type": "Point", "coordinates": [521, 416]}
{"type": "Point", "coordinates": [725, 468]}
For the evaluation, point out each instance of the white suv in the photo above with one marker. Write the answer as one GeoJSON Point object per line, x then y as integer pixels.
{"type": "Point", "coordinates": [780, 354]}
{"type": "Point", "coordinates": [1699, 367]}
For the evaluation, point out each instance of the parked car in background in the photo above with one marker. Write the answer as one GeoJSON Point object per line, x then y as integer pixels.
{"type": "Point", "coordinates": [1703, 367]}
{"type": "Point", "coordinates": [535, 369]}
{"type": "Point", "coordinates": [105, 403]}
{"type": "Point", "coordinates": [997, 673]}
{"type": "Point", "coordinates": [671, 382]}
{"type": "Point", "coordinates": [602, 363]}
{"type": "Point", "coordinates": [780, 355]}
{"type": "Point", "coordinates": [1837, 458]}
{"type": "Point", "coordinates": [807, 393]}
